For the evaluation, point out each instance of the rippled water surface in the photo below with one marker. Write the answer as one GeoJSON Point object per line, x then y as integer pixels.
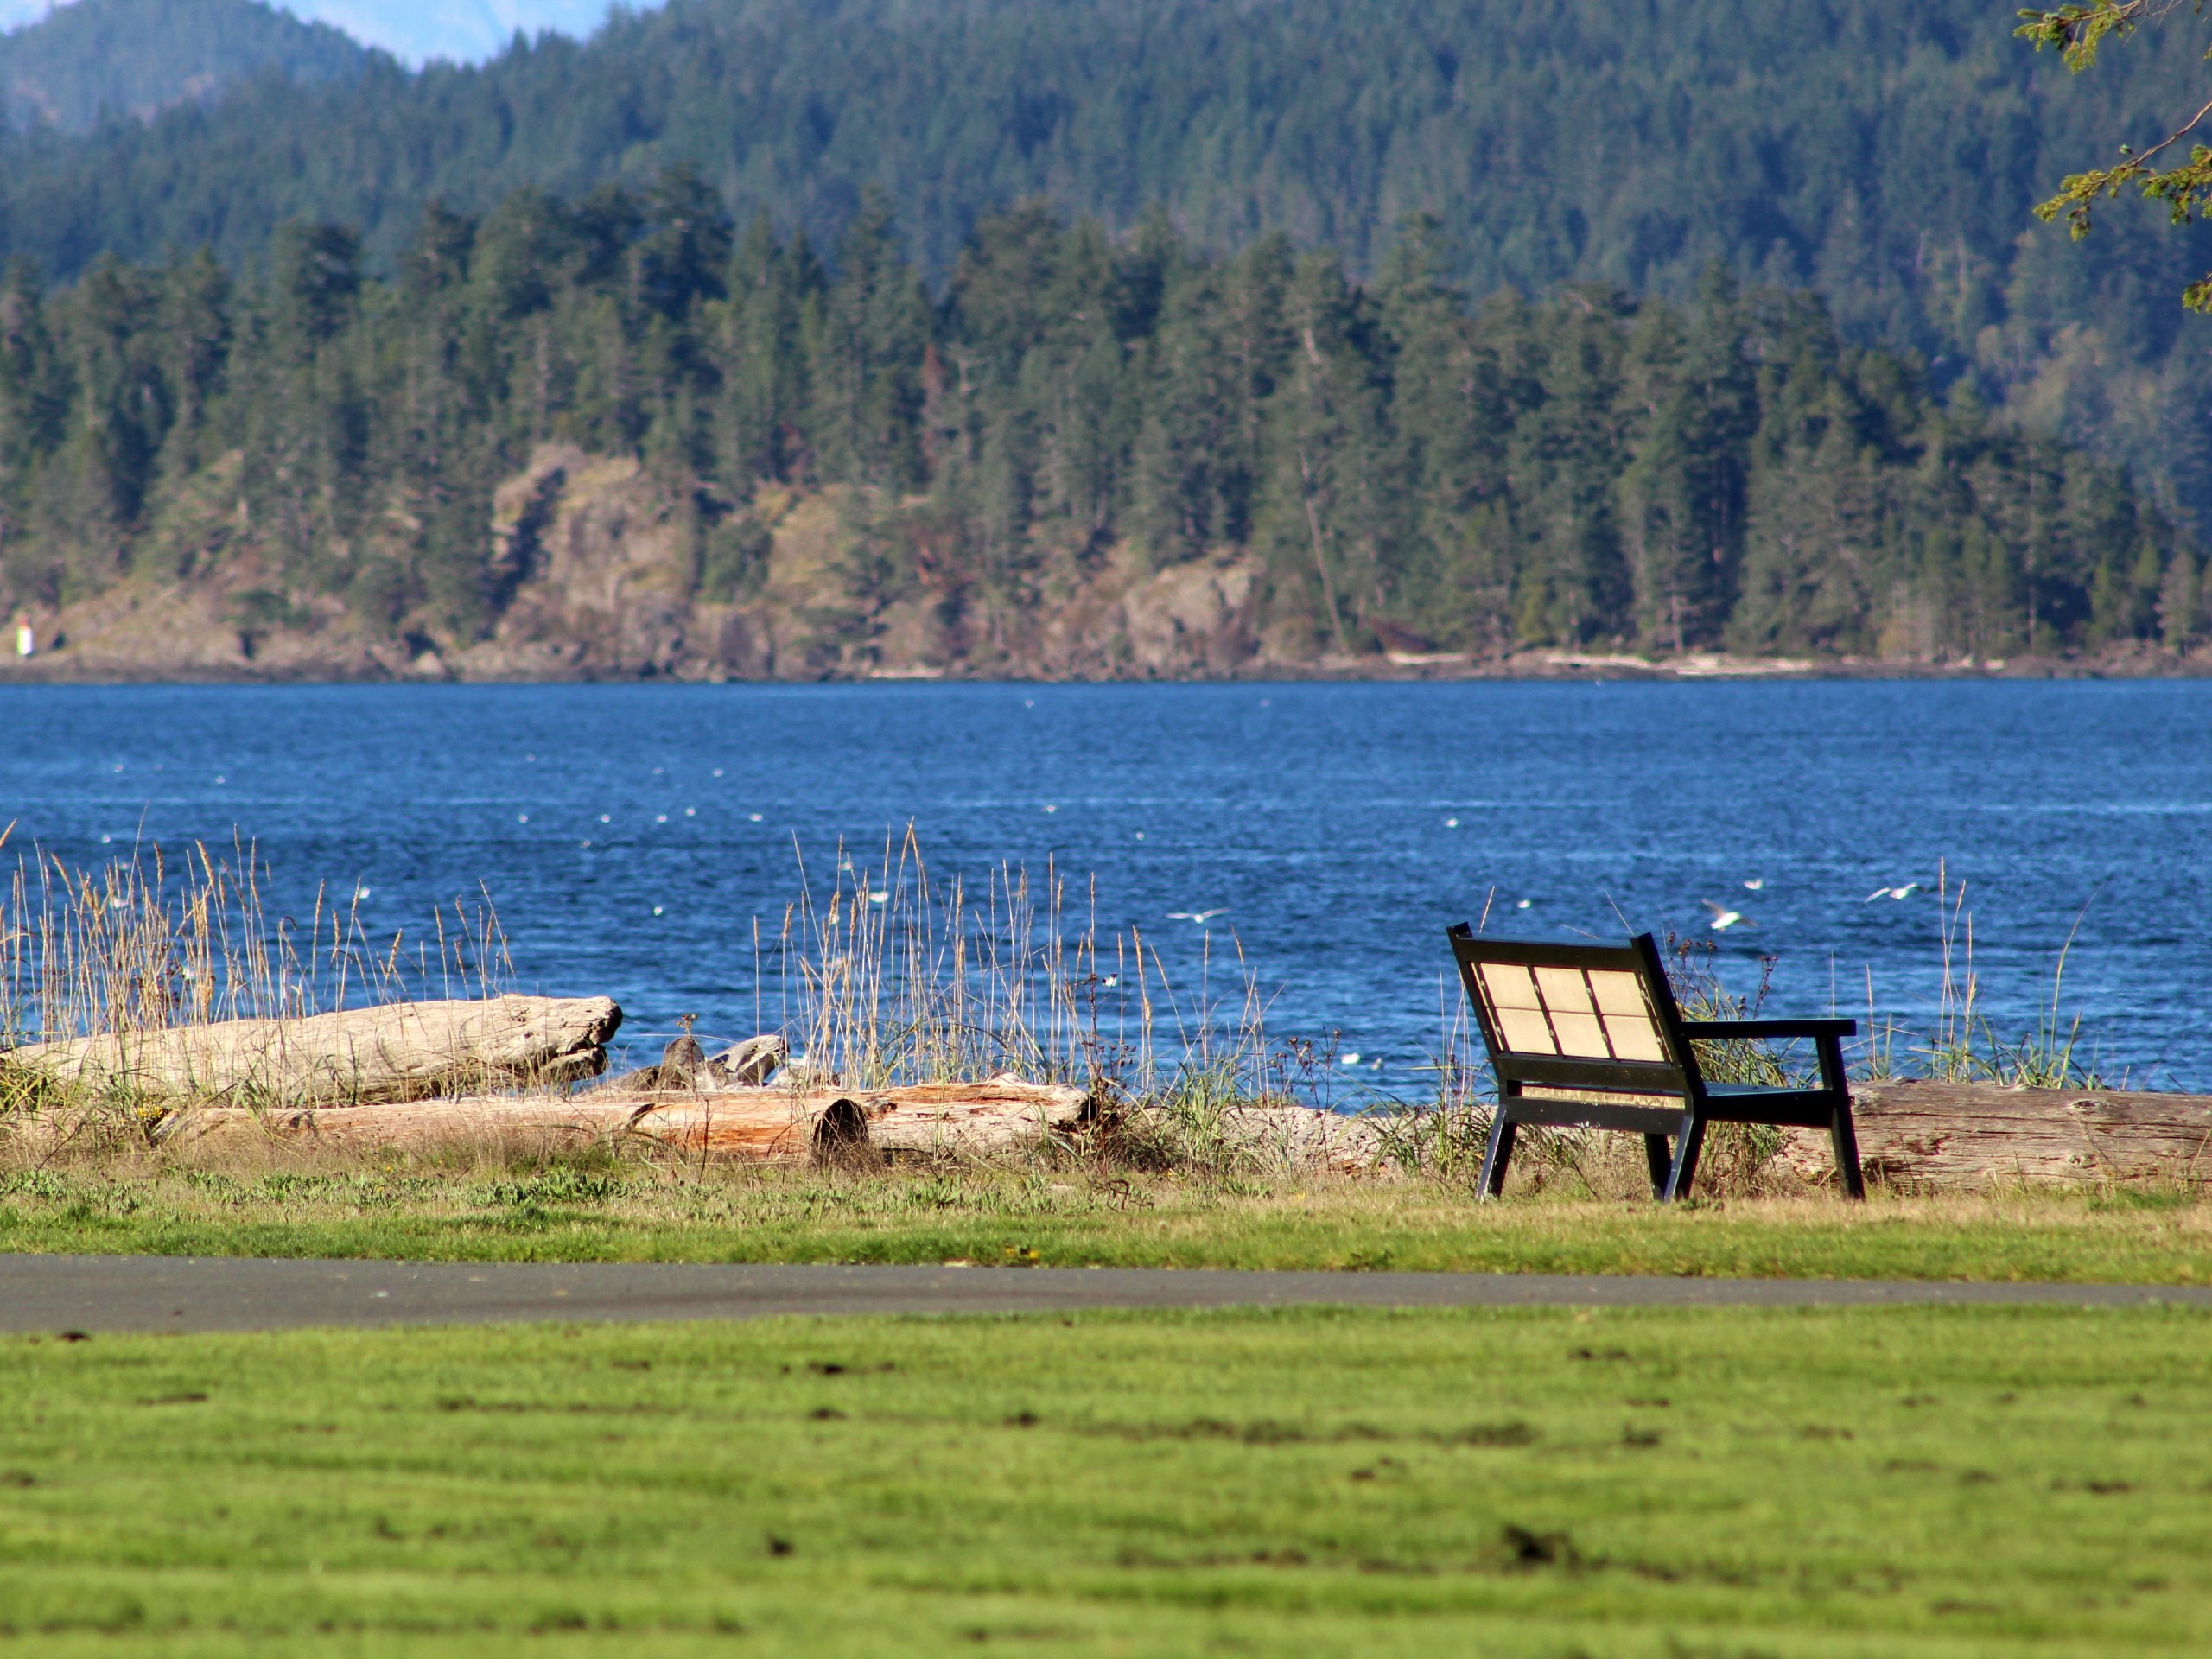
{"type": "Point", "coordinates": [631, 833]}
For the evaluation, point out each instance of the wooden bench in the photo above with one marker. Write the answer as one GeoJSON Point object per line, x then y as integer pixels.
{"type": "Point", "coordinates": [1589, 1036]}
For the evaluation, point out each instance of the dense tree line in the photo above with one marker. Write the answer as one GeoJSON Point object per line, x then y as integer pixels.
{"type": "Point", "coordinates": [1411, 467]}
{"type": "Point", "coordinates": [1884, 156]}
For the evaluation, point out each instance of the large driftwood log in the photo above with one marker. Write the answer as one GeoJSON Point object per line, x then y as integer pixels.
{"type": "Point", "coordinates": [754, 1125]}
{"type": "Point", "coordinates": [402, 1050]}
{"type": "Point", "coordinates": [1951, 1135]}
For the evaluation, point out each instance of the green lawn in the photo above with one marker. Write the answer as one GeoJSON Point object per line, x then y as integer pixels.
{"type": "Point", "coordinates": [1713, 1482]}
{"type": "Point", "coordinates": [624, 1212]}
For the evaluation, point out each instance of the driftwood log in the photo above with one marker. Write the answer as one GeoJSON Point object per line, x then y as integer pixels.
{"type": "Point", "coordinates": [1963, 1135]}
{"type": "Point", "coordinates": [402, 1050]}
{"type": "Point", "coordinates": [684, 1064]}
{"type": "Point", "coordinates": [769, 1125]}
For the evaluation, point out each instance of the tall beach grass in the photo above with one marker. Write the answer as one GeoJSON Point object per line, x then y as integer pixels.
{"type": "Point", "coordinates": [883, 972]}
{"type": "Point", "coordinates": [145, 943]}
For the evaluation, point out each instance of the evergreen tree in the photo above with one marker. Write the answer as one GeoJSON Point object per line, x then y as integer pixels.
{"type": "Point", "coordinates": [1408, 470]}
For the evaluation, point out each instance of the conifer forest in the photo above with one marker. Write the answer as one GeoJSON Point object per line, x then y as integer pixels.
{"type": "Point", "coordinates": [1467, 379]}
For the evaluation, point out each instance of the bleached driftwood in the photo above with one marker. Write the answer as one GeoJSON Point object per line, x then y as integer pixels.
{"type": "Point", "coordinates": [402, 1050]}
{"type": "Point", "coordinates": [780, 1125]}
{"type": "Point", "coordinates": [753, 1125]}
{"type": "Point", "coordinates": [684, 1064]}
{"type": "Point", "coordinates": [748, 1063]}
{"type": "Point", "coordinates": [1963, 1135]}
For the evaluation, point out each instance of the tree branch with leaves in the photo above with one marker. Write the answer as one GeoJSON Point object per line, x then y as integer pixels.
{"type": "Point", "coordinates": [2077, 31]}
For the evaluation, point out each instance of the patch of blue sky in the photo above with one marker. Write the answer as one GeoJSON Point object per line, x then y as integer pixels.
{"type": "Point", "coordinates": [462, 31]}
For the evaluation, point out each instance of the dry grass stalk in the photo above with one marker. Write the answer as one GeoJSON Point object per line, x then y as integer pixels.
{"type": "Point", "coordinates": [892, 978]}
{"type": "Point", "coordinates": [138, 946]}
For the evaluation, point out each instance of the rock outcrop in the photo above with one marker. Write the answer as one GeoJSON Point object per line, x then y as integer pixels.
{"type": "Point", "coordinates": [597, 566]}
{"type": "Point", "coordinates": [601, 567]}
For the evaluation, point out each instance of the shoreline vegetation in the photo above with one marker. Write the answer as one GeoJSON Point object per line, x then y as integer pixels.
{"type": "Point", "coordinates": [64, 666]}
{"type": "Point", "coordinates": [1196, 1145]}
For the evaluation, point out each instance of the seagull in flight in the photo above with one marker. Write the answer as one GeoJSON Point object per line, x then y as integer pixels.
{"type": "Point", "coordinates": [1755, 883]}
{"type": "Point", "coordinates": [1201, 917]}
{"type": "Point", "coordinates": [1906, 891]}
{"type": "Point", "coordinates": [1723, 918]}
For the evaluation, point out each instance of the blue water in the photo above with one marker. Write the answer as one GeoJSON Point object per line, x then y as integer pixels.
{"type": "Point", "coordinates": [631, 833]}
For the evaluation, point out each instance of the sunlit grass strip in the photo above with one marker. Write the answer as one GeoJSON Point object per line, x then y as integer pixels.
{"type": "Point", "coordinates": [1071, 1211]}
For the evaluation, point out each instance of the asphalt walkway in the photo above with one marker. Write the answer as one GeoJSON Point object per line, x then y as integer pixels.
{"type": "Point", "coordinates": [154, 1293]}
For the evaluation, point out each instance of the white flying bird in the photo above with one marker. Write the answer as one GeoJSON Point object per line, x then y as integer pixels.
{"type": "Point", "coordinates": [1755, 883]}
{"type": "Point", "coordinates": [1198, 915]}
{"type": "Point", "coordinates": [1906, 891]}
{"type": "Point", "coordinates": [1723, 918]}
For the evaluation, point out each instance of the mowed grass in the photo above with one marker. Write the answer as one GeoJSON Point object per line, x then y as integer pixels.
{"type": "Point", "coordinates": [624, 1212]}
{"type": "Point", "coordinates": [1709, 1482]}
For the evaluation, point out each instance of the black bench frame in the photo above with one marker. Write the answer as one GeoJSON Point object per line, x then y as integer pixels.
{"type": "Point", "coordinates": [1681, 1101]}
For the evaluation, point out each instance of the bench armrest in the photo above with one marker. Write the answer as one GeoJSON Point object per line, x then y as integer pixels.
{"type": "Point", "coordinates": [1752, 1030]}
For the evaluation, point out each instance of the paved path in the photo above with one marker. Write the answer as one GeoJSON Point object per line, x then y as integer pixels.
{"type": "Point", "coordinates": [153, 1293]}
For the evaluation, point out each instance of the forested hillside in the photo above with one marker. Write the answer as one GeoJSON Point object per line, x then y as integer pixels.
{"type": "Point", "coordinates": [120, 59]}
{"type": "Point", "coordinates": [1883, 154]}
{"type": "Point", "coordinates": [1398, 464]}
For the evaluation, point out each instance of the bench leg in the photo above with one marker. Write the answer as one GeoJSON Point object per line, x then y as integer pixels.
{"type": "Point", "coordinates": [1845, 1139]}
{"type": "Point", "coordinates": [1659, 1157]}
{"type": "Point", "coordinates": [1687, 1146]}
{"type": "Point", "coordinates": [1495, 1157]}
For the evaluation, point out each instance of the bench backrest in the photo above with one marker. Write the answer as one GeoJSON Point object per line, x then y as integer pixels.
{"type": "Point", "coordinates": [1576, 1016]}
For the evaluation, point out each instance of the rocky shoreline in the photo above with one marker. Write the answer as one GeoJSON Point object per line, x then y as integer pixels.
{"type": "Point", "coordinates": [307, 660]}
